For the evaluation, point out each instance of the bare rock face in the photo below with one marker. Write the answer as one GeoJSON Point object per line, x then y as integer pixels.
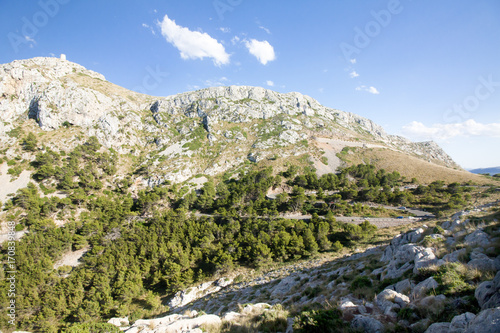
{"type": "Point", "coordinates": [119, 321]}
{"type": "Point", "coordinates": [367, 324]}
{"type": "Point", "coordinates": [486, 321]}
{"type": "Point", "coordinates": [189, 295]}
{"type": "Point", "coordinates": [405, 257]}
{"type": "Point", "coordinates": [482, 262]}
{"type": "Point", "coordinates": [171, 324]}
{"type": "Point", "coordinates": [462, 322]}
{"type": "Point", "coordinates": [55, 92]}
{"type": "Point", "coordinates": [488, 293]}
{"type": "Point", "coordinates": [455, 255]}
{"type": "Point", "coordinates": [404, 287]}
{"type": "Point", "coordinates": [438, 328]}
{"type": "Point", "coordinates": [425, 286]}
{"type": "Point", "coordinates": [389, 300]}
{"type": "Point", "coordinates": [478, 238]}
{"type": "Point", "coordinates": [35, 85]}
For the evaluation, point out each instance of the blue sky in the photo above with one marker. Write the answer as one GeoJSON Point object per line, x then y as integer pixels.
{"type": "Point", "coordinates": [423, 69]}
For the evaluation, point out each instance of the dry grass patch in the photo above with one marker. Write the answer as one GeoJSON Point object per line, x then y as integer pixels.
{"type": "Point", "coordinates": [410, 166]}
{"type": "Point", "coordinates": [257, 319]}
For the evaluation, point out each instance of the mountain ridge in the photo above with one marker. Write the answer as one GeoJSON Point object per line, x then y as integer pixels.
{"type": "Point", "coordinates": [491, 170]}
{"type": "Point", "coordinates": [207, 131]}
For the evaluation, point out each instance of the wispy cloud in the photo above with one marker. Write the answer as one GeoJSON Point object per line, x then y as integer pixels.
{"type": "Point", "coordinates": [216, 82]}
{"type": "Point", "coordinates": [265, 29]}
{"type": "Point", "coordinates": [353, 74]}
{"type": "Point", "coordinates": [371, 89]}
{"type": "Point", "coordinates": [270, 83]}
{"type": "Point", "coordinates": [235, 40]}
{"type": "Point", "coordinates": [147, 26]}
{"type": "Point", "coordinates": [353, 61]}
{"type": "Point", "coordinates": [225, 30]}
{"type": "Point", "coordinates": [447, 131]}
{"type": "Point", "coordinates": [193, 44]}
{"type": "Point", "coordinates": [262, 50]}
{"type": "Point", "coordinates": [193, 87]}
{"type": "Point", "coordinates": [29, 39]}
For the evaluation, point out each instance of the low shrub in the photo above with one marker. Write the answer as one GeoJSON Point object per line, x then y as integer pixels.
{"type": "Point", "coordinates": [360, 282]}
{"type": "Point", "coordinates": [438, 230]}
{"type": "Point", "coordinates": [326, 321]}
{"type": "Point", "coordinates": [452, 279]}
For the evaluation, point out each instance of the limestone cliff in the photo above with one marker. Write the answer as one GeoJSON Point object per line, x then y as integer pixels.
{"type": "Point", "coordinates": [206, 131]}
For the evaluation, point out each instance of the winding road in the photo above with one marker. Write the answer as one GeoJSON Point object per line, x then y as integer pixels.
{"type": "Point", "coordinates": [380, 222]}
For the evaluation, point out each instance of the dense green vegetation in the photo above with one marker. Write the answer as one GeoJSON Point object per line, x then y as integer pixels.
{"type": "Point", "coordinates": [144, 247]}
{"type": "Point", "coordinates": [340, 194]}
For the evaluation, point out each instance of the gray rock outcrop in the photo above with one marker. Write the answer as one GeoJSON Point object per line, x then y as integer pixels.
{"type": "Point", "coordinates": [184, 297]}
{"type": "Point", "coordinates": [404, 257]}
{"type": "Point", "coordinates": [438, 328]}
{"type": "Point", "coordinates": [487, 321]}
{"type": "Point", "coordinates": [424, 287]}
{"type": "Point", "coordinates": [488, 293]}
{"type": "Point", "coordinates": [367, 324]}
{"type": "Point", "coordinates": [478, 238]}
{"type": "Point", "coordinates": [171, 324]}
{"type": "Point", "coordinates": [461, 323]}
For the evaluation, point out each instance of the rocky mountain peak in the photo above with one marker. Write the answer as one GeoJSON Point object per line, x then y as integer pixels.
{"type": "Point", "coordinates": [42, 68]}
{"type": "Point", "coordinates": [244, 103]}
{"type": "Point", "coordinates": [53, 91]}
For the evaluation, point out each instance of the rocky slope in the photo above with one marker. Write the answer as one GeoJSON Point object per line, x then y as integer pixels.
{"type": "Point", "coordinates": [405, 289]}
{"type": "Point", "coordinates": [207, 131]}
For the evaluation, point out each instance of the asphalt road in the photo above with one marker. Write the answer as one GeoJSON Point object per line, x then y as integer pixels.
{"type": "Point", "coordinates": [380, 222]}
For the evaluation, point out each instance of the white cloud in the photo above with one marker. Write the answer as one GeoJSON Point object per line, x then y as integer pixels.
{"type": "Point", "coordinates": [265, 29]}
{"type": "Point", "coordinates": [193, 44]}
{"type": "Point", "coordinates": [353, 74]}
{"type": "Point", "coordinates": [321, 90]}
{"type": "Point", "coordinates": [270, 83]}
{"type": "Point", "coordinates": [262, 50]}
{"type": "Point", "coordinates": [371, 89]}
{"type": "Point", "coordinates": [225, 30]}
{"type": "Point", "coordinates": [353, 61]}
{"type": "Point", "coordinates": [446, 131]}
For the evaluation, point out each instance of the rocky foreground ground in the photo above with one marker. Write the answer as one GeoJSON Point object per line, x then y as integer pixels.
{"type": "Point", "coordinates": [409, 297]}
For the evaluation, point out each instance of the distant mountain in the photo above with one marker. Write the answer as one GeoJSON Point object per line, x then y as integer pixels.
{"type": "Point", "coordinates": [491, 171]}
